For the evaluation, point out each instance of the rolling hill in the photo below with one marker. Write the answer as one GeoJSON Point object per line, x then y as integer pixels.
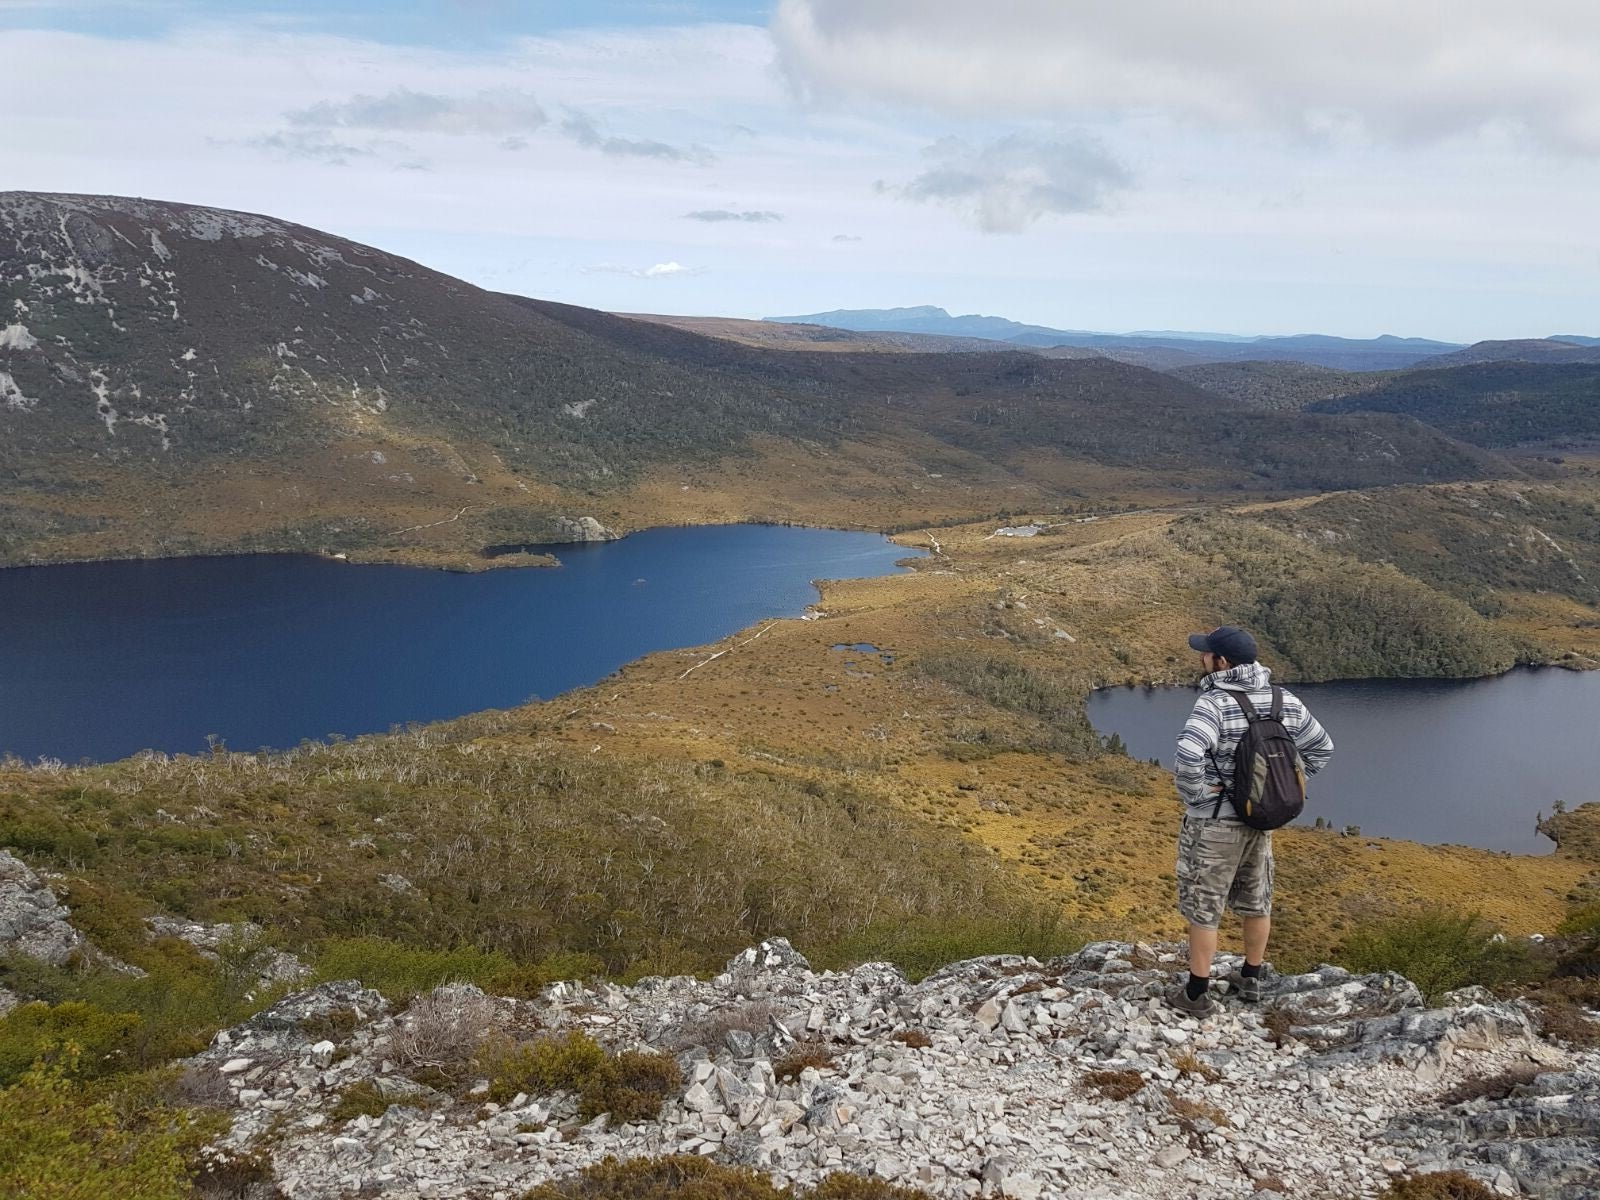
{"type": "Point", "coordinates": [178, 379]}
{"type": "Point", "coordinates": [1497, 404]}
{"type": "Point", "coordinates": [1529, 350]}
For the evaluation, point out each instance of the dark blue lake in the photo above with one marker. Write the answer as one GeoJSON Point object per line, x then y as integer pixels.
{"type": "Point", "coordinates": [100, 660]}
{"type": "Point", "coordinates": [1471, 762]}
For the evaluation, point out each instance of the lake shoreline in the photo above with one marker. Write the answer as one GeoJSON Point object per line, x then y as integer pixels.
{"type": "Point", "coordinates": [1474, 761]}
{"type": "Point", "coordinates": [110, 658]}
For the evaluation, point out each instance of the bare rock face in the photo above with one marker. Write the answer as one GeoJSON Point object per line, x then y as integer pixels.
{"type": "Point", "coordinates": [582, 529]}
{"type": "Point", "coordinates": [991, 1077]}
{"type": "Point", "coordinates": [32, 922]}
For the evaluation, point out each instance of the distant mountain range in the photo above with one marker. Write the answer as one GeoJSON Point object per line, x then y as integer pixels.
{"type": "Point", "coordinates": [1168, 349]}
{"type": "Point", "coordinates": [1379, 353]}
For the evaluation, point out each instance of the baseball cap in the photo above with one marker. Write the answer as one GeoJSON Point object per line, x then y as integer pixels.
{"type": "Point", "coordinates": [1231, 642]}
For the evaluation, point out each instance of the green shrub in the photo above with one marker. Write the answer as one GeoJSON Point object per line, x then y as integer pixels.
{"type": "Point", "coordinates": [169, 1012]}
{"type": "Point", "coordinates": [570, 1063]}
{"type": "Point", "coordinates": [1581, 922]}
{"type": "Point", "coordinates": [1057, 703]}
{"type": "Point", "coordinates": [1437, 950]}
{"type": "Point", "coordinates": [61, 1139]}
{"type": "Point", "coordinates": [361, 1099]}
{"type": "Point", "coordinates": [527, 980]}
{"type": "Point", "coordinates": [30, 1032]}
{"type": "Point", "coordinates": [631, 1087]}
{"type": "Point", "coordinates": [402, 972]}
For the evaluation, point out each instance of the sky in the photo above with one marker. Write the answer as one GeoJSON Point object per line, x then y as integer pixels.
{"type": "Point", "coordinates": [1353, 167]}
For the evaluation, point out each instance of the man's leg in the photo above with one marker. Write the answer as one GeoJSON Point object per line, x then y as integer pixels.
{"type": "Point", "coordinates": [1203, 948]}
{"type": "Point", "coordinates": [1207, 861]}
{"type": "Point", "coordinates": [1256, 932]}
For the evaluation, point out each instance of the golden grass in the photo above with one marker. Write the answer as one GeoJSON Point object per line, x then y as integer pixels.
{"type": "Point", "coordinates": [1097, 841]}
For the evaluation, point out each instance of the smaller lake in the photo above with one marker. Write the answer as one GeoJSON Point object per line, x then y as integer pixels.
{"type": "Point", "coordinates": [100, 660]}
{"type": "Point", "coordinates": [1470, 762]}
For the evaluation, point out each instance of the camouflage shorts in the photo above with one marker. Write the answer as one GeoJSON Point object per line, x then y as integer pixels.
{"type": "Point", "coordinates": [1223, 863]}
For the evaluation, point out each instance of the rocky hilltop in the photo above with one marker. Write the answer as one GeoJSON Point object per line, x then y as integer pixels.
{"type": "Point", "coordinates": [1001, 1076]}
{"type": "Point", "coordinates": [143, 329]}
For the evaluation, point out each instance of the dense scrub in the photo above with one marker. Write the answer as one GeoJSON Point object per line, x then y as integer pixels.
{"type": "Point", "coordinates": [1337, 617]}
{"type": "Point", "coordinates": [1054, 719]}
{"type": "Point", "coordinates": [1489, 404]}
{"type": "Point", "coordinates": [1474, 542]}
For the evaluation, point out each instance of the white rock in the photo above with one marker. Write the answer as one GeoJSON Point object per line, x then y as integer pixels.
{"type": "Point", "coordinates": [1170, 1156]}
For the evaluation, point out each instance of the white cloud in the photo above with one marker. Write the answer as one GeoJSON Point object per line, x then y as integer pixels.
{"type": "Point", "coordinates": [663, 270]}
{"type": "Point", "coordinates": [499, 111]}
{"type": "Point", "coordinates": [1008, 184]}
{"type": "Point", "coordinates": [311, 145]}
{"type": "Point", "coordinates": [584, 129]}
{"type": "Point", "coordinates": [1452, 240]}
{"type": "Point", "coordinates": [1403, 73]}
{"type": "Point", "coordinates": [747, 216]}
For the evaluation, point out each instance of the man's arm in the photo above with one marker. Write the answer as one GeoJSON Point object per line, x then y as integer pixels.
{"type": "Point", "coordinates": [1316, 747]}
{"type": "Point", "coordinates": [1200, 738]}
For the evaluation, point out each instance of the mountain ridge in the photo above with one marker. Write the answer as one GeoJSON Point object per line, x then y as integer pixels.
{"type": "Point", "coordinates": [1386, 351]}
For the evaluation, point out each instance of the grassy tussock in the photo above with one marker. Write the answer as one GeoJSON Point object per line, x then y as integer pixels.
{"type": "Point", "coordinates": [1437, 950]}
{"type": "Point", "coordinates": [436, 839]}
{"type": "Point", "coordinates": [1439, 1185]}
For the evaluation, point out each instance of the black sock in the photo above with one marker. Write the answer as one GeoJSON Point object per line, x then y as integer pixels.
{"type": "Point", "coordinates": [1197, 986]}
{"type": "Point", "coordinates": [1252, 972]}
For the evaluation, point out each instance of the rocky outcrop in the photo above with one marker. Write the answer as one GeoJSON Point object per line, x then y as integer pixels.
{"type": "Point", "coordinates": [581, 529]}
{"type": "Point", "coordinates": [999, 1076]}
{"type": "Point", "coordinates": [32, 921]}
{"type": "Point", "coordinates": [243, 939]}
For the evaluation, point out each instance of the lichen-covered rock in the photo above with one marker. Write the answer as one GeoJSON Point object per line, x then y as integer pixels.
{"type": "Point", "coordinates": [32, 921]}
{"type": "Point", "coordinates": [988, 1077]}
{"type": "Point", "coordinates": [1545, 1135]}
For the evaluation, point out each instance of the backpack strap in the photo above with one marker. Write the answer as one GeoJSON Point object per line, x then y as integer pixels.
{"type": "Point", "coordinates": [1249, 713]}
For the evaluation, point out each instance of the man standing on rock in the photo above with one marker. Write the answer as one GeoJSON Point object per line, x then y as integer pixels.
{"type": "Point", "coordinates": [1222, 862]}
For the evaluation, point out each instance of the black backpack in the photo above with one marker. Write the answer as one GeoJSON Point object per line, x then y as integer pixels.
{"type": "Point", "coordinates": [1269, 776]}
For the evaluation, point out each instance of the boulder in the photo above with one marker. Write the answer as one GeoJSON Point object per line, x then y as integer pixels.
{"type": "Point", "coordinates": [32, 920]}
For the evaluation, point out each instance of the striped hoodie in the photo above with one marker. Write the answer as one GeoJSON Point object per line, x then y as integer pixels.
{"type": "Point", "coordinates": [1218, 722]}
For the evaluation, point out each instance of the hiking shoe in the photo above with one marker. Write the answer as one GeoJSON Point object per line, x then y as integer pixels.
{"type": "Point", "coordinates": [1178, 998]}
{"type": "Point", "coordinates": [1247, 989]}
